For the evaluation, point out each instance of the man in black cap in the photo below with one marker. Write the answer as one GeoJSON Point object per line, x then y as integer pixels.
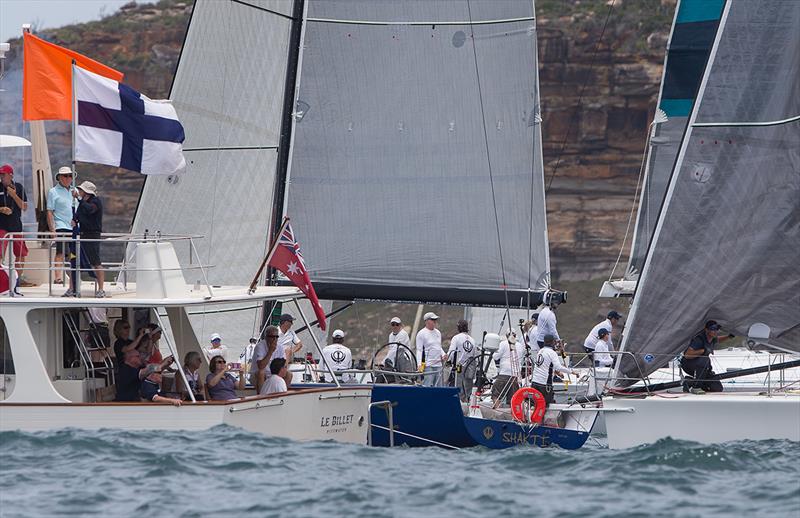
{"type": "Point", "coordinates": [696, 361]}
{"type": "Point", "coordinates": [546, 364]}
{"type": "Point", "coordinates": [608, 324]}
{"type": "Point", "coordinates": [288, 343]}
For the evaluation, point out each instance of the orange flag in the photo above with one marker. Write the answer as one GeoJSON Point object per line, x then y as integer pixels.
{"type": "Point", "coordinates": [47, 79]}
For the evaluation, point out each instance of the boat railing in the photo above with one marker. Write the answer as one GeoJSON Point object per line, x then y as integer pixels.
{"type": "Point", "coordinates": [119, 272]}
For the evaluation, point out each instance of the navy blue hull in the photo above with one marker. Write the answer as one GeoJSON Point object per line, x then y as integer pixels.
{"type": "Point", "coordinates": [505, 434]}
{"type": "Point", "coordinates": [431, 413]}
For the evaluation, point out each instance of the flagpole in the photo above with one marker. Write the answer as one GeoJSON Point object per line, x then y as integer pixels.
{"type": "Point", "coordinates": [74, 117]}
{"type": "Point", "coordinates": [268, 257]}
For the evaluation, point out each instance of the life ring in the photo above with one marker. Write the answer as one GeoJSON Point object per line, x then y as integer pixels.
{"type": "Point", "coordinates": [539, 405]}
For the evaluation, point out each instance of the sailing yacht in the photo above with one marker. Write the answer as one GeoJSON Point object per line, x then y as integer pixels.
{"type": "Point", "coordinates": [726, 240]}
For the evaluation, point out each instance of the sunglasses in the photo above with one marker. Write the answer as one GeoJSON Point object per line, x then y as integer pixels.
{"type": "Point", "coordinates": [66, 175]}
{"type": "Point", "coordinates": [395, 325]}
{"type": "Point", "coordinates": [219, 361]}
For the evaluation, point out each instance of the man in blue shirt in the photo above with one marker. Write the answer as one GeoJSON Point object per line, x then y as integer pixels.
{"type": "Point", "coordinates": [61, 203]}
{"type": "Point", "coordinates": [696, 361]}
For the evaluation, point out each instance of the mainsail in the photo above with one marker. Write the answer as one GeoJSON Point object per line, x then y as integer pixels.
{"type": "Point", "coordinates": [693, 30]}
{"type": "Point", "coordinates": [726, 242]}
{"type": "Point", "coordinates": [228, 92]}
{"type": "Point", "coordinates": [416, 163]}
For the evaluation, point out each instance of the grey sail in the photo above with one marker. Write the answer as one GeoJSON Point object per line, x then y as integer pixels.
{"type": "Point", "coordinates": [413, 143]}
{"type": "Point", "coordinates": [690, 40]}
{"type": "Point", "coordinates": [228, 92]}
{"type": "Point", "coordinates": [727, 240]}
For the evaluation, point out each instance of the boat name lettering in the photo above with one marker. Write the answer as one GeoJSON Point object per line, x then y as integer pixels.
{"type": "Point", "coordinates": [336, 420]}
{"type": "Point", "coordinates": [522, 437]}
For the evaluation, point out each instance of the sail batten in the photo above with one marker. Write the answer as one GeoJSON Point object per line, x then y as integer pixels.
{"type": "Point", "coordinates": [389, 186]}
{"type": "Point", "coordinates": [726, 243]}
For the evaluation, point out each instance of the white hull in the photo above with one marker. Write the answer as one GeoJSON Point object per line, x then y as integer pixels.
{"type": "Point", "coordinates": [708, 419]}
{"type": "Point", "coordinates": [314, 414]}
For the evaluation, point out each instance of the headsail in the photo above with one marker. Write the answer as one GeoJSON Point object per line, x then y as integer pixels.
{"type": "Point", "coordinates": [417, 139]}
{"type": "Point", "coordinates": [228, 91]}
{"type": "Point", "coordinates": [725, 246]}
{"type": "Point", "coordinates": [693, 31]}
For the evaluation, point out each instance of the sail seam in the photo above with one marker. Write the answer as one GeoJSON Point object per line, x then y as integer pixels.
{"type": "Point", "coordinates": [270, 11]}
{"type": "Point", "coordinates": [745, 124]}
{"type": "Point", "coordinates": [228, 148]}
{"type": "Point", "coordinates": [376, 22]}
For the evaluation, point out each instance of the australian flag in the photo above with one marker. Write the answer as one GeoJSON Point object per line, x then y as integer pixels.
{"type": "Point", "coordinates": [116, 125]}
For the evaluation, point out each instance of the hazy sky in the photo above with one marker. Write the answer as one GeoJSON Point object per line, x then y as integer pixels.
{"type": "Point", "coordinates": [51, 13]}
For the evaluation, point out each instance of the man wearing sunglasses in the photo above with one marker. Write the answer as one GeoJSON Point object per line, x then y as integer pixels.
{"type": "Point", "coordinates": [262, 353]}
{"type": "Point", "coordinates": [398, 335]}
{"type": "Point", "coordinates": [61, 203]}
{"type": "Point", "coordinates": [696, 360]}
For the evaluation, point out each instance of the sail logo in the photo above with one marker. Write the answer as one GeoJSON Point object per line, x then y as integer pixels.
{"type": "Point", "coordinates": [337, 356]}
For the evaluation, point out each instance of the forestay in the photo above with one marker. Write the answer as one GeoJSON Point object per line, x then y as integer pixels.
{"type": "Point", "coordinates": [392, 186]}
{"type": "Point", "coordinates": [693, 31]}
{"type": "Point", "coordinates": [726, 242]}
{"type": "Point", "coordinates": [228, 92]}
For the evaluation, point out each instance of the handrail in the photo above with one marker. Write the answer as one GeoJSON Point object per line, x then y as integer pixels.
{"type": "Point", "coordinates": [389, 415]}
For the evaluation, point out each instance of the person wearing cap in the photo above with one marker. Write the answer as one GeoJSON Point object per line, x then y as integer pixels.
{"type": "Point", "coordinates": [608, 324]}
{"type": "Point", "coordinates": [509, 358]}
{"type": "Point", "coordinates": [547, 363]}
{"type": "Point", "coordinates": [260, 359]}
{"type": "Point", "coordinates": [546, 323]}
{"type": "Point", "coordinates": [61, 204]}
{"type": "Point", "coordinates": [288, 341]}
{"type": "Point", "coordinates": [89, 219]}
{"type": "Point", "coordinates": [13, 202]}
{"type": "Point", "coordinates": [398, 335]}
{"type": "Point", "coordinates": [215, 347]}
{"type": "Point", "coordinates": [460, 354]}
{"type": "Point", "coordinates": [601, 348]}
{"type": "Point", "coordinates": [430, 355]}
{"type": "Point", "coordinates": [696, 360]}
{"type": "Point", "coordinates": [531, 330]}
{"type": "Point", "coordinates": [338, 357]}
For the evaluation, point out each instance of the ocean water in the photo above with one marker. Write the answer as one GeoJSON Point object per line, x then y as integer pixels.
{"type": "Point", "coordinates": [229, 472]}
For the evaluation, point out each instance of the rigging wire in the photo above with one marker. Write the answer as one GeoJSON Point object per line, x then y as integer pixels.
{"type": "Point", "coordinates": [489, 161]}
{"type": "Point", "coordinates": [580, 96]}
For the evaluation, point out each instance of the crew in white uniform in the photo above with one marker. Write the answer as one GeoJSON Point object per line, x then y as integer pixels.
{"type": "Point", "coordinates": [608, 324]}
{"type": "Point", "coordinates": [533, 333]}
{"type": "Point", "coordinates": [547, 323]}
{"type": "Point", "coordinates": [430, 355]}
{"type": "Point", "coordinates": [288, 344]}
{"type": "Point", "coordinates": [397, 336]}
{"type": "Point", "coordinates": [601, 349]}
{"type": "Point", "coordinates": [339, 357]}
{"type": "Point", "coordinates": [547, 362]}
{"type": "Point", "coordinates": [508, 357]}
{"type": "Point", "coordinates": [460, 355]}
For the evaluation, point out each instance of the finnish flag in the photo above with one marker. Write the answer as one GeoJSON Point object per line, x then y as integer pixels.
{"type": "Point", "coordinates": [116, 125]}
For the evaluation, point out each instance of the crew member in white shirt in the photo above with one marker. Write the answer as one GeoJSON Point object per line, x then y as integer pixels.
{"type": "Point", "coordinates": [608, 324]}
{"type": "Point", "coordinates": [547, 362]}
{"type": "Point", "coordinates": [460, 355]}
{"type": "Point", "coordinates": [601, 349]}
{"type": "Point", "coordinates": [339, 357]}
{"type": "Point", "coordinates": [508, 358]}
{"type": "Point", "coordinates": [397, 336]}
{"type": "Point", "coordinates": [216, 348]}
{"type": "Point", "coordinates": [533, 333]}
{"type": "Point", "coordinates": [547, 323]}
{"type": "Point", "coordinates": [288, 344]}
{"type": "Point", "coordinates": [262, 353]}
{"type": "Point", "coordinates": [275, 382]}
{"type": "Point", "coordinates": [430, 355]}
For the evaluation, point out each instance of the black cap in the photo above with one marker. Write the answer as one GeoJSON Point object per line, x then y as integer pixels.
{"type": "Point", "coordinates": [286, 317]}
{"type": "Point", "coordinates": [602, 332]}
{"type": "Point", "coordinates": [712, 325]}
{"type": "Point", "coordinates": [613, 314]}
{"type": "Point", "coordinates": [535, 316]}
{"type": "Point", "coordinates": [549, 339]}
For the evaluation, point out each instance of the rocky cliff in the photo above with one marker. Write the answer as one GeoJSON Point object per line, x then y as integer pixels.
{"type": "Point", "coordinates": [598, 96]}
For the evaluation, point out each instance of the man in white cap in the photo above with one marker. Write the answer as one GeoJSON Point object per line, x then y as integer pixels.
{"type": "Point", "coordinates": [216, 348]}
{"type": "Point", "coordinates": [339, 357]}
{"type": "Point", "coordinates": [89, 217]}
{"type": "Point", "coordinates": [430, 355]}
{"type": "Point", "coordinates": [61, 203]}
{"type": "Point", "coordinates": [397, 336]}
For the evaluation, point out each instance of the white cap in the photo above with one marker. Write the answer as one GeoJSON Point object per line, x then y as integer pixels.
{"type": "Point", "coordinates": [64, 170]}
{"type": "Point", "coordinates": [88, 187]}
{"type": "Point", "coordinates": [338, 334]}
{"type": "Point", "coordinates": [215, 336]}
{"type": "Point", "coordinates": [395, 320]}
{"type": "Point", "coordinates": [430, 315]}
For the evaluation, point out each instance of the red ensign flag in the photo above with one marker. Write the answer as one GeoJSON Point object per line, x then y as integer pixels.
{"type": "Point", "coordinates": [288, 260]}
{"type": "Point", "coordinates": [47, 79]}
